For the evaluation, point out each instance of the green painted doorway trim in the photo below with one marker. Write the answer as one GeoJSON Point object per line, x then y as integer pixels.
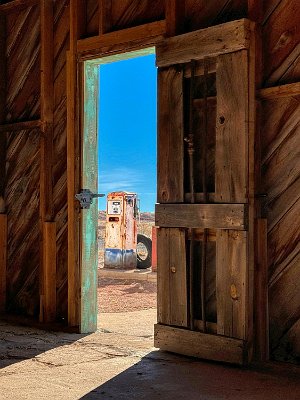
{"type": "Point", "coordinates": [89, 180]}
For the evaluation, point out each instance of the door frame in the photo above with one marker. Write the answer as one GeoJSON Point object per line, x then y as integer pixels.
{"type": "Point", "coordinates": [88, 244]}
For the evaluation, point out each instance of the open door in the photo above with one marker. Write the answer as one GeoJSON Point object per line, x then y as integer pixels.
{"type": "Point", "coordinates": [205, 210]}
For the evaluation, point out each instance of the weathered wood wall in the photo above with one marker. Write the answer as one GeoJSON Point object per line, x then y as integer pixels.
{"type": "Point", "coordinates": [22, 161]}
{"type": "Point", "coordinates": [280, 137]}
{"type": "Point", "coordinates": [279, 140]}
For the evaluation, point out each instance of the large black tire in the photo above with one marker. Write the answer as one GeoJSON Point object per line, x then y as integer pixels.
{"type": "Point", "coordinates": [144, 260]}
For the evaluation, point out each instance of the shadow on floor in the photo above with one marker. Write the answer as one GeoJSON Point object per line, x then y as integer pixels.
{"type": "Point", "coordinates": [19, 343]}
{"type": "Point", "coordinates": [164, 376]}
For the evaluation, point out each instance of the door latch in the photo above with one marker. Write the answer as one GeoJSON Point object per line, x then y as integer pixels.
{"type": "Point", "coordinates": [85, 198]}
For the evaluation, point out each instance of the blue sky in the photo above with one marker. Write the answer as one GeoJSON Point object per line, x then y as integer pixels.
{"type": "Point", "coordinates": [127, 129]}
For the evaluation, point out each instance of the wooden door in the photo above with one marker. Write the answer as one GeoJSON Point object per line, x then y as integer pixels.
{"type": "Point", "coordinates": [205, 193]}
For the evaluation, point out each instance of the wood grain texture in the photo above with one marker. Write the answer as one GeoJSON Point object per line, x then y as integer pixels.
{"type": "Point", "coordinates": [196, 344]}
{"type": "Point", "coordinates": [89, 218]}
{"type": "Point", "coordinates": [49, 275]}
{"type": "Point", "coordinates": [281, 183]}
{"type": "Point", "coordinates": [129, 13]}
{"type": "Point", "coordinates": [16, 5]}
{"type": "Point", "coordinates": [223, 38]}
{"type": "Point", "coordinates": [172, 278]}
{"type": "Point", "coordinates": [21, 126]}
{"type": "Point", "coordinates": [220, 216]}
{"type": "Point", "coordinates": [147, 34]}
{"type": "Point", "coordinates": [2, 109]}
{"type": "Point", "coordinates": [23, 67]}
{"type": "Point", "coordinates": [170, 136]}
{"type": "Point", "coordinates": [105, 16]}
{"type": "Point", "coordinates": [261, 292]}
{"type": "Point", "coordinates": [232, 285]}
{"type": "Point", "coordinates": [23, 161]}
{"type": "Point", "coordinates": [232, 128]}
{"type": "Point", "coordinates": [202, 13]}
{"type": "Point", "coordinates": [61, 32]}
{"type": "Point", "coordinates": [46, 152]}
{"type": "Point", "coordinates": [275, 92]}
{"type": "Point", "coordinates": [3, 261]}
{"type": "Point", "coordinates": [174, 15]}
{"type": "Point", "coordinates": [22, 200]}
{"type": "Point", "coordinates": [281, 35]}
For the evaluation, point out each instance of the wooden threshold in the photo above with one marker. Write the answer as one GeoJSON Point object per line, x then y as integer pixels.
{"type": "Point", "coordinates": [21, 126]}
{"type": "Point", "coordinates": [221, 216]}
{"type": "Point", "coordinates": [200, 345]}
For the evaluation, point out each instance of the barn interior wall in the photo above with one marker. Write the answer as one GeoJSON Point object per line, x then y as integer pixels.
{"type": "Point", "coordinates": [279, 129]}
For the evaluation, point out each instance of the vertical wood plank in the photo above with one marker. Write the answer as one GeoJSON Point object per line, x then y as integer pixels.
{"type": "Point", "coordinates": [255, 10]}
{"type": "Point", "coordinates": [231, 282]}
{"type": "Point", "coordinates": [105, 16]}
{"type": "Point", "coordinates": [47, 99]}
{"type": "Point", "coordinates": [163, 282]}
{"type": "Point", "coordinates": [174, 14]}
{"type": "Point", "coordinates": [170, 136]}
{"type": "Point", "coordinates": [49, 262]}
{"type": "Point", "coordinates": [2, 109]}
{"type": "Point", "coordinates": [46, 144]}
{"type": "Point", "coordinates": [178, 278]}
{"type": "Point", "coordinates": [72, 172]}
{"type": "Point", "coordinates": [81, 18]}
{"type": "Point", "coordinates": [89, 254]}
{"type": "Point", "coordinates": [254, 171]}
{"type": "Point", "coordinates": [73, 229]}
{"type": "Point", "coordinates": [232, 128]}
{"type": "Point", "coordinates": [3, 256]}
{"type": "Point", "coordinates": [171, 269]}
{"type": "Point", "coordinates": [261, 292]}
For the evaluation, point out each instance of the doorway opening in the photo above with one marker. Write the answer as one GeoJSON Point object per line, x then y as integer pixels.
{"type": "Point", "coordinates": [127, 124]}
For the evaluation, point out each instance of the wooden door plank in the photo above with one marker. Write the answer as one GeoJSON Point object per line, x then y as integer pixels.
{"type": "Point", "coordinates": [197, 344]}
{"type": "Point", "coordinates": [178, 278]}
{"type": "Point", "coordinates": [171, 290]}
{"type": "Point", "coordinates": [209, 42]}
{"type": "Point", "coordinates": [220, 216]}
{"type": "Point", "coordinates": [170, 136]}
{"type": "Point", "coordinates": [163, 283]}
{"type": "Point", "coordinates": [232, 128]}
{"type": "Point", "coordinates": [49, 262]}
{"type": "Point", "coordinates": [3, 256]}
{"type": "Point", "coordinates": [231, 282]}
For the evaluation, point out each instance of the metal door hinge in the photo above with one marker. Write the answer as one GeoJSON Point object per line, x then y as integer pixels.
{"type": "Point", "coordinates": [85, 197]}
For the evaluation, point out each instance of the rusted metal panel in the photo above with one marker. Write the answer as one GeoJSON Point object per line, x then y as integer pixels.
{"type": "Point", "coordinates": [89, 259]}
{"type": "Point", "coordinates": [121, 231]}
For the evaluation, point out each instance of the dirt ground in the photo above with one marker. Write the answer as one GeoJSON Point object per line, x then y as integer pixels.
{"type": "Point", "coordinates": [119, 361]}
{"type": "Point", "coordinates": [116, 295]}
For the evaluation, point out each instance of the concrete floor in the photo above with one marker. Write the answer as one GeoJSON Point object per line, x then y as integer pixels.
{"type": "Point", "coordinates": [120, 363]}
